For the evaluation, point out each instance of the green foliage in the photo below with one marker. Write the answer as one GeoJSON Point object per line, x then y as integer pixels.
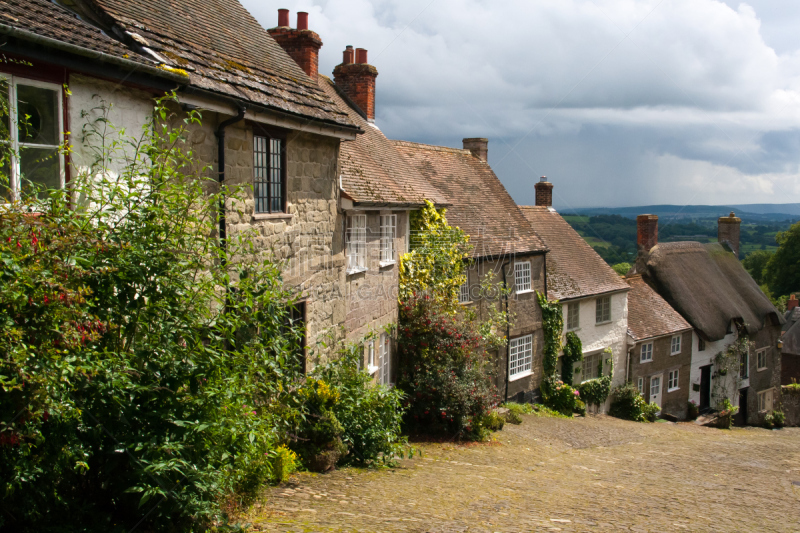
{"type": "Point", "coordinates": [494, 422]}
{"type": "Point", "coordinates": [783, 268]}
{"type": "Point", "coordinates": [546, 412]}
{"type": "Point", "coordinates": [756, 263]}
{"type": "Point", "coordinates": [552, 326]}
{"type": "Point", "coordinates": [595, 391]}
{"type": "Point", "coordinates": [573, 353]}
{"type": "Point", "coordinates": [445, 370]}
{"type": "Point", "coordinates": [516, 410]}
{"type": "Point", "coordinates": [565, 399]}
{"type": "Point", "coordinates": [137, 381]}
{"type": "Point", "coordinates": [370, 416]}
{"type": "Point", "coordinates": [728, 365]}
{"type": "Point", "coordinates": [436, 263]}
{"type": "Point", "coordinates": [621, 268]}
{"type": "Point", "coordinates": [775, 419]}
{"type": "Point", "coordinates": [284, 463]}
{"type": "Point", "coordinates": [692, 410]}
{"type": "Point", "coordinates": [627, 403]}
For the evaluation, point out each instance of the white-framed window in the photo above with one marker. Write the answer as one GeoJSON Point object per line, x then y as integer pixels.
{"type": "Point", "coordinates": [646, 354]}
{"type": "Point", "coordinates": [356, 243]}
{"type": "Point", "coordinates": [463, 292]}
{"type": "Point", "coordinates": [573, 315]}
{"type": "Point", "coordinates": [520, 357]}
{"type": "Point", "coordinates": [388, 234]}
{"type": "Point", "coordinates": [590, 366]}
{"type": "Point", "coordinates": [384, 359]}
{"type": "Point", "coordinates": [744, 364]}
{"type": "Point", "coordinates": [603, 310]}
{"type": "Point", "coordinates": [522, 276]}
{"type": "Point", "coordinates": [672, 381]}
{"type": "Point", "coordinates": [640, 385]}
{"type": "Point", "coordinates": [369, 356]}
{"type": "Point", "coordinates": [675, 345]}
{"type": "Point", "coordinates": [655, 386]}
{"type": "Point", "coordinates": [761, 359]}
{"type": "Point", "coordinates": [31, 126]}
{"type": "Point", "coordinates": [766, 400]}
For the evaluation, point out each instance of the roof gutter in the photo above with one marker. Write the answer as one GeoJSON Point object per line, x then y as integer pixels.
{"type": "Point", "coordinates": [28, 36]}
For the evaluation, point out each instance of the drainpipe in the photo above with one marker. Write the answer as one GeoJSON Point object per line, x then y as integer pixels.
{"type": "Point", "coordinates": [223, 233]}
{"type": "Point", "coordinates": [508, 332]}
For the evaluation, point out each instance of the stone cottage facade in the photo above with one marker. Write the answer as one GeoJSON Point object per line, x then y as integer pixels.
{"type": "Point", "coordinates": [709, 288]}
{"type": "Point", "coordinates": [267, 125]}
{"type": "Point", "coordinates": [594, 298]}
{"type": "Point", "coordinates": [504, 248]}
{"type": "Point", "coordinates": [660, 350]}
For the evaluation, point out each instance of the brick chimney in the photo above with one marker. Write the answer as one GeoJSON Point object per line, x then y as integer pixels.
{"type": "Point", "coordinates": [544, 193]}
{"type": "Point", "coordinates": [301, 44]}
{"type": "Point", "coordinates": [728, 231]}
{"type": "Point", "coordinates": [647, 232]}
{"type": "Point", "coordinates": [356, 78]}
{"type": "Point", "coordinates": [478, 146]}
{"type": "Point", "coordinates": [792, 303]}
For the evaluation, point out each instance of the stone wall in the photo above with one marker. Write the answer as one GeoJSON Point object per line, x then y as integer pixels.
{"type": "Point", "coordinates": [790, 405]}
{"type": "Point", "coordinates": [761, 380]}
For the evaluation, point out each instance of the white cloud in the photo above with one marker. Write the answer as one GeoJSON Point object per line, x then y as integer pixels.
{"type": "Point", "coordinates": [695, 76]}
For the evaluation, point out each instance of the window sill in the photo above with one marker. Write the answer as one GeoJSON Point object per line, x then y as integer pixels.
{"type": "Point", "coordinates": [272, 216]}
{"type": "Point", "coordinates": [573, 330]}
{"type": "Point", "coordinates": [524, 292]}
{"type": "Point", "coordinates": [358, 270]}
{"type": "Point", "coordinates": [643, 362]}
{"type": "Point", "coordinates": [676, 353]}
{"type": "Point", "coordinates": [387, 263]}
{"type": "Point", "coordinates": [521, 375]}
{"type": "Point", "coordinates": [371, 369]}
{"type": "Point", "coordinates": [466, 303]}
{"type": "Point", "coordinates": [602, 323]}
{"type": "Point", "coordinates": [673, 390]}
{"type": "Point", "coordinates": [761, 369]}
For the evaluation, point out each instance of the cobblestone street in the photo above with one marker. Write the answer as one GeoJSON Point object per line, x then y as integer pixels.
{"type": "Point", "coordinates": [591, 474]}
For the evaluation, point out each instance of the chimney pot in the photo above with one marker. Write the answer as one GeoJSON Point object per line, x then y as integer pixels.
{"type": "Point", "coordinates": [283, 18]}
{"type": "Point", "coordinates": [302, 20]}
{"type": "Point", "coordinates": [646, 232]}
{"type": "Point", "coordinates": [728, 229]}
{"type": "Point", "coordinates": [479, 146]}
{"type": "Point", "coordinates": [544, 192]}
{"type": "Point", "coordinates": [792, 303]}
{"type": "Point", "coordinates": [356, 78]}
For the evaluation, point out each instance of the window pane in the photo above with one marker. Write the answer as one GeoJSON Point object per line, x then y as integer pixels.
{"type": "Point", "coordinates": [37, 115]}
{"type": "Point", "coordinates": [40, 167]}
{"type": "Point", "coordinates": [4, 111]}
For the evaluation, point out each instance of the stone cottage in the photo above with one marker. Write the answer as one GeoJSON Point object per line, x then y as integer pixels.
{"type": "Point", "coordinates": [267, 125]}
{"type": "Point", "coordinates": [504, 248]}
{"type": "Point", "coordinates": [660, 350]}
{"type": "Point", "coordinates": [709, 288]}
{"type": "Point", "coordinates": [790, 343]}
{"type": "Point", "coordinates": [593, 296]}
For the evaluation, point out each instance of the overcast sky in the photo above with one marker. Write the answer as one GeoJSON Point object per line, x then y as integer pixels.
{"type": "Point", "coordinates": [618, 102]}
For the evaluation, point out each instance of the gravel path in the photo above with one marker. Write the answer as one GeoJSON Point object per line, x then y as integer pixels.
{"type": "Point", "coordinates": [585, 474]}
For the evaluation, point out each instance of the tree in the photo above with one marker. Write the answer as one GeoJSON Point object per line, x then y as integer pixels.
{"type": "Point", "coordinates": [621, 268]}
{"type": "Point", "coordinates": [755, 263]}
{"type": "Point", "coordinates": [783, 268]}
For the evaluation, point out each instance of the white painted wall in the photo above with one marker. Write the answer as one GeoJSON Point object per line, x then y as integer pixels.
{"type": "Point", "coordinates": [706, 357]}
{"type": "Point", "coordinates": [599, 337]}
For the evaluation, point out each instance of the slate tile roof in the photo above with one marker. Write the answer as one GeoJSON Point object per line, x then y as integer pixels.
{"type": "Point", "coordinates": [47, 19]}
{"type": "Point", "coordinates": [574, 269]}
{"type": "Point", "coordinates": [480, 205]}
{"type": "Point", "coordinates": [649, 315]}
{"type": "Point", "coordinates": [373, 171]}
{"type": "Point", "coordinates": [791, 332]}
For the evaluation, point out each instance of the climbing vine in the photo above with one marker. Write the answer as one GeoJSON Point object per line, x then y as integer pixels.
{"type": "Point", "coordinates": [573, 353]}
{"type": "Point", "coordinates": [728, 371]}
{"type": "Point", "coordinates": [552, 326]}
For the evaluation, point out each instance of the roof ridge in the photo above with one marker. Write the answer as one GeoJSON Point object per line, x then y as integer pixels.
{"type": "Point", "coordinates": [433, 147]}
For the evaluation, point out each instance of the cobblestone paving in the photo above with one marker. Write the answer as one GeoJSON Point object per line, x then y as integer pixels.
{"type": "Point", "coordinates": [587, 474]}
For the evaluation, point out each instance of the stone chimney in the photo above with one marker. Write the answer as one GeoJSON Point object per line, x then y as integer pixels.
{"type": "Point", "coordinates": [356, 78]}
{"type": "Point", "coordinates": [728, 231]}
{"type": "Point", "coordinates": [792, 303]}
{"type": "Point", "coordinates": [647, 232]}
{"type": "Point", "coordinates": [478, 146]}
{"type": "Point", "coordinates": [301, 44]}
{"type": "Point", "coordinates": [544, 193]}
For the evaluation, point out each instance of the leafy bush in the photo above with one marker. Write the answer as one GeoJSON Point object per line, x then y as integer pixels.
{"type": "Point", "coordinates": [621, 268]}
{"type": "Point", "coordinates": [775, 419]}
{"type": "Point", "coordinates": [370, 416]}
{"type": "Point", "coordinates": [692, 410]}
{"type": "Point", "coordinates": [284, 463]}
{"type": "Point", "coordinates": [139, 362]}
{"type": "Point", "coordinates": [565, 399]}
{"type": "Point", "coordinates": [573, 353]}
{"type": "Point", "coordinates": [546, 412]}
{"type": "Point", "coordinates": [494, 422]}
{"type": "Point", "coordinates": [627, 403]}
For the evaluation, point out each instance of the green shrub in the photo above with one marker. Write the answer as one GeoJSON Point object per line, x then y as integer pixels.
{"type": "Point", "coordinates": [775, 419]}
{"type": "Point", "coordinates": [692, 411]}
{"type": "Point", "coordinates": [546, 412]}
{"type": "Point", "coordinates": [494, 422]}
{"type": "Point", "coordinates": [627, 403]}
{"type": "Point", "coordinates": [519, 408]}
{"type": "Point", "coordinates": [284, 463]}
{"type": "Point", "coordinates": [565, 399]}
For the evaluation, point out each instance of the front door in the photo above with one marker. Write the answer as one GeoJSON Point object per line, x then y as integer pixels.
{"type": "Point", "coordinates": [705, 388]}
{"type": "Point", "coordinates": [656, 384]}
{"type": "Point", "coordinates": [742, 414]}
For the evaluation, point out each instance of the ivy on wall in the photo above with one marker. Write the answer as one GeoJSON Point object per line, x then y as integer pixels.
{"type": "Point", "coordinates": [573, 353]}
{"type": "Point", "coordinates": [552, 326]}
{"type": "Point", "coordinates": [595, 391]}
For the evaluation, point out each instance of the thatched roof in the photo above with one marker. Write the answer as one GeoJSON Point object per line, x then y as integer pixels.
{"type": "Point", "coordinates": [708, 286]}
